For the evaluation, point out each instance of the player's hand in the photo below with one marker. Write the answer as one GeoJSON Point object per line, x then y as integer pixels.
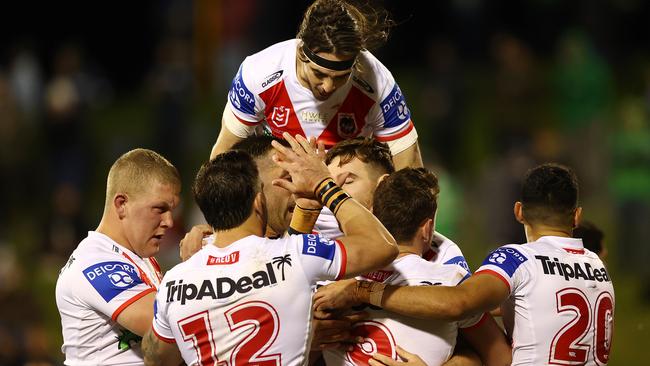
{"type": "Point", "coordinates": [337, 295]}
{"type": "Point", "coordinates": [305, 163]}
{"type": "Point", "coordinates": [193, 241]}
{"type": "Point", "coordinates": [335, 332]}
{"type": "Point", "coordinates": [409, 359]}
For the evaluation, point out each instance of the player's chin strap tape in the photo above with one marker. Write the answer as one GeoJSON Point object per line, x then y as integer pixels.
{"type": "Point", "coordinates": [328, 64]}
{"type": "Point", "coordinates": [303, 220]}
{"type": "Point", "coordinates": [330, 195]}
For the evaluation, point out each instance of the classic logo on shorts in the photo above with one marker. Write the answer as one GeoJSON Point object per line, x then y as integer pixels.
{"type": "Point", "coordinates": [111, 278]}
{"type": "Point", "coordinates": [347, 125]}
{"type": "Point", "coordinates": [506, 258]}
{"type": "Point", "coordinates": [280, 116]}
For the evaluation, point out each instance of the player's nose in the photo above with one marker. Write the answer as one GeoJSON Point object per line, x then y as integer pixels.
{"type": "Point", "coordinates": [167, 220]}
{"type": "Point", "coordinates": [328, 85]}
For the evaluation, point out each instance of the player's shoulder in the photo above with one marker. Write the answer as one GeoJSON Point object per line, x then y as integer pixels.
{"type": "Point", "coordinates": [267, 67]}
{"type": "Point", "coordinates": [372, 76]}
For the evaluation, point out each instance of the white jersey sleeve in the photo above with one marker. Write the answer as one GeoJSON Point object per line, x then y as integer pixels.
{"type": "Point", "coordinates": [321, 258]}
{"type": "Point", "coordinates": [111, 287]}
{"type": "Point", "coordinates": [506, 264]}
{"type": "Point", "coordinates": [160, 325]}
{"type": "Point", "coordinates": [391, 115]}
{"type": "Point", "coordinates": [245, 104]}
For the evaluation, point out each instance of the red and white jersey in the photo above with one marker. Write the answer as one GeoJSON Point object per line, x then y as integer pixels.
{"type": "Point", "coordinates": [266, 89]}
{"type": "Point", "coordinates": [433, 341]}
{"type": "Point", "coordinates": [561, 305]}
{"type": "Point", "coordinates": [444, 251]}
{"type": "Point", "coordinates": [99, 281]}
{"type": "Point", "coordinates": [246, 303]}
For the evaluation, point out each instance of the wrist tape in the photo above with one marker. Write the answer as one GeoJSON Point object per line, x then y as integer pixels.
{"type": "Point", "coordinates": [330, 194]}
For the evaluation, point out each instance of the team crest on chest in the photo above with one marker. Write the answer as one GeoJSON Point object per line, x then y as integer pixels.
{"type": "Point", "coordinates": [347, 125]}
{"type": "Point", "coordinates": [280, 116]}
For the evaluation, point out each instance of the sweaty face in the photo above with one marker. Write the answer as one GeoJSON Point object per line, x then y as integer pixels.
{"type": "Point", "coordinates": [361, 179]}
{"type": "Point", "coordinates": [321, 81]}
{"type": "Point", "coordinates": [147, 217]}
{"type": "Point", "coordinates": [279, 202]}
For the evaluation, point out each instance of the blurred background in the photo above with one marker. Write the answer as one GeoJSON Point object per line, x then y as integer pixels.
{"type": "Point", "coordinates": [495, 87]}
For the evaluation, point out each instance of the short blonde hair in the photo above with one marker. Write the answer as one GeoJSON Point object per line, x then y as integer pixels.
{"type": "Point", "coordinates": [138, 169]}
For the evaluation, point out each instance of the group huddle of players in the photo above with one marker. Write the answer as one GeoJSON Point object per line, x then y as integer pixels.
{"type": "Point", "coordinates": [320, 243]}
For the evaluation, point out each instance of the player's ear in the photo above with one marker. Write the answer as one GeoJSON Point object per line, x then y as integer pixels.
{"type": "Point", "coordinates": [259, 206]}
{"type": "Point", "coordinates": [426, 230]}
{"type": "Point", "coordinates": [519, 212]}
{"type": "Point", "coordinates": [381, 178]}
{"type": "Point", "coordinates": [577, 217]}
{"type": "Point", "coordinates": [119, 204]}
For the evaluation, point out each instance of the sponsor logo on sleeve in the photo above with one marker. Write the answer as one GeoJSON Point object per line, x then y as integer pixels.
{"type": "Point", "coordinates": [318, 246]}
{"type": "Point", "coordinates": [240, 97]}
{"type": "Point", "coordinates": [271, 78]}
{"type": "Point", "coordinates": [394, 108]}
{"type": "Point", "coordinates": [508, 259]}
{"type": "Point", "coordinates": [459, 260]}
{"type": "Point", "coordinates": [112, 278]}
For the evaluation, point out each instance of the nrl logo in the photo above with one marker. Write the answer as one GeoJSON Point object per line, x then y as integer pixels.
{"type": "Point", "coordinates": [347, 125]}
{"type": "Point", "coordinates": [280, 116]}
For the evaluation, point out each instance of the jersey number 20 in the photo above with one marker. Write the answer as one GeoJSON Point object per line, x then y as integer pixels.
{"type": "Point", "coordinates": [567, 347]}
{"type": "Point", "coordinates": [259, 317]}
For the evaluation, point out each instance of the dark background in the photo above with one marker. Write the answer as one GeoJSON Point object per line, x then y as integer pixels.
{"type": "Point", "coordinates": [495, 87]}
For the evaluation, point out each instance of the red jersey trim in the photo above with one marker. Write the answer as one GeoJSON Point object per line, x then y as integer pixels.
{"type": "Point", "coordinates": [495, 274]}
{"type": "Point", "coordinates": [397, 135]}
{"type": "Point", "coordinates": [163, 338]}
{"type": "Point", "coordinates": [344, 260]}
{"type": "Point", "coordinates": [574, 251]}
{"type": "Point", "coordinates": [245, 122]}
{"type": "Point", "coordinates": [478, 324]}
{"type": "Point", "coordinates": [130, 301]}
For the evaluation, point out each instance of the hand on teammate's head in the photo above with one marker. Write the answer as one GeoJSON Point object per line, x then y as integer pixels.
{"type": "Point", "coordinates": [305, 163]}
{"type": "Point", "coordinates": [193, 241]}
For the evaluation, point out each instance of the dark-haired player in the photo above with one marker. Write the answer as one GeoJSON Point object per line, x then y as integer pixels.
{"type": "Point", "coordinates": [556, 298]}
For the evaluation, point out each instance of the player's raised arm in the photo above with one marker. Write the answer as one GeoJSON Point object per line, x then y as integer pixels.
{"type": "Point", "coordinates": [367, 243]}
{"type": "Point", "coordinates": [226, 137]}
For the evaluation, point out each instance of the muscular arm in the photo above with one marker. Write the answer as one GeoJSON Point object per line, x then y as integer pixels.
{"type": "Point", "coordinates": [479, 294]}
{"type": "Point", "coordinates": [227, 138]}
{"type": "Point", "coordinates": [490, 342]}
{"type": "Point", "coordinates": [410, 157]}
{"type": "Point", "coordinates": [159, 353]}
{"type": "Point", "coordinates": [137, 317]}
